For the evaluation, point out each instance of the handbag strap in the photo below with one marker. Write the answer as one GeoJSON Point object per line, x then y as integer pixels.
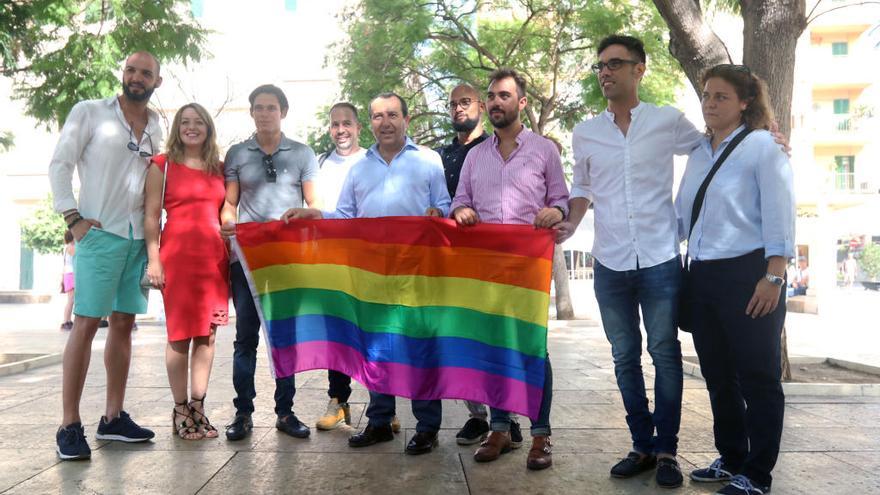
{"type": "Point", "coordinates": [701, 192]}
{"type": "Point", "coordinates": [162, 204]}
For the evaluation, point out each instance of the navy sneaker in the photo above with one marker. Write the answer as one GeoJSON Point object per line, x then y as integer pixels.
{"type": "Point", "coordinates": [717, 471]}
{"type": "Point", "coordinates": [741, 485]}
{"type": "Point", "coordinates": [122, 429]}
{"type": "Point", "coordinates": [474, 431]}
{"type": "Point", "coordinates": [70, 443]}
{"type": "Point", "coordinates": [515, 435]}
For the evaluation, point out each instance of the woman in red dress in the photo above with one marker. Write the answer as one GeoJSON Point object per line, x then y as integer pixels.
{"type": "Point", "coordinates": [188, 260]}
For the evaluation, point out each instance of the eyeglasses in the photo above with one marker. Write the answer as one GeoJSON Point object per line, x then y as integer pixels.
{"type": "Point", "coordinates": [613, 64]}
{"type": "Point", "coordinates": [464, 103]}
{"type": "Point", "coordinates": [271, 173]}
{"type": "Point", "coordinates": [133, 146]}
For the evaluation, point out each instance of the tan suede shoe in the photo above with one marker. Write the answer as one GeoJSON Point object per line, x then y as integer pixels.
{"type": "Point", "coordinates": [336, 415]}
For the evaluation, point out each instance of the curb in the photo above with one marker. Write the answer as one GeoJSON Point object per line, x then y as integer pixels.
{"type": "Point", "coordinates": [29, 361]}
{"type": "Point", "coordinates": [692, 368]}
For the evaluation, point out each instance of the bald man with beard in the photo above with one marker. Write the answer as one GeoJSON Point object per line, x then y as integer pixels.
{"type": "Point", "coordinates": [109, 142]}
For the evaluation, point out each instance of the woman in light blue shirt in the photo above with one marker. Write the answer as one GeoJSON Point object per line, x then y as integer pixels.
{"type": "Point", "coordinates": [738, 247]}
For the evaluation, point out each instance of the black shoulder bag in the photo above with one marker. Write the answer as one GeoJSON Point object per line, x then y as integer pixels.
{"type": "Point", "coordinates": [684, 297]}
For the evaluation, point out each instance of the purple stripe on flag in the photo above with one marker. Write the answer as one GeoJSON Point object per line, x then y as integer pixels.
{"type": "Point", "coordinates": [408, 381]}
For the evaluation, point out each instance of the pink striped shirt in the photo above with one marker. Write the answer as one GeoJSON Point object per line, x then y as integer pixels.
{"type": "Point", "coordinates": [512, 191]}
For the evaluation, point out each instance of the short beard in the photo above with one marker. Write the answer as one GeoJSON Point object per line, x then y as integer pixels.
{"type": "Point", "coordinates": [126, 90]}
{"type": "Point", "coordinates": [466, 126]}
{"type": "Point", "coordinates": [505, 120]}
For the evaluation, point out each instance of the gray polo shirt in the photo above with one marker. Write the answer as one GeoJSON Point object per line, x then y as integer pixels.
{"type": "Point", "coordinates": [259, 199]}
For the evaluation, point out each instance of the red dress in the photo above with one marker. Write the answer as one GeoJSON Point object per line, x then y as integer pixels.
{"type": "Point", "coordinates": [193, 254]}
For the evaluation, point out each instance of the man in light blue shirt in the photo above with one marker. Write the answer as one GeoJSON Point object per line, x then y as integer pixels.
{"type": "Point", "coordinates": [396, 178]}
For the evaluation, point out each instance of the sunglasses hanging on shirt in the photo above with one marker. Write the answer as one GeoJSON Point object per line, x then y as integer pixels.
{"type": "Point", "coordinates": [133, 146]}
{"type": "Point", "coordinates": [271, 173]}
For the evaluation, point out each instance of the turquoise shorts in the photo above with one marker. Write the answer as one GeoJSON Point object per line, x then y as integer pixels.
{"type": "Point", "coordinates": [108, 271]}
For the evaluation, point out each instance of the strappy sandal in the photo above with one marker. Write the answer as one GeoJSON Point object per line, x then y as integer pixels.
{"type": "Point", "coordinates": [201, 420]}
{"type": "Point", "coordinates": [189, 426]}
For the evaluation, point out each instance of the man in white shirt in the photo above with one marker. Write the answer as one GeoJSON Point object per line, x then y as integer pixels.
{"type": "Point", "coordinates": [333, 168]}
{"type": "Point", "coordinates": [624, 166]}
{"type": "Point", "coordinates": [109, 143]}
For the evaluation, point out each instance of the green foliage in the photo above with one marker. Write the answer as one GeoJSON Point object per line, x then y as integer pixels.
{"type": "Point", "coordinates": [59, 52]}
{"type": "Point", "coordinates": [869, 261]}
{"type": "Point", "coordinates": [423, 49]}
{"type": "Point", "coordinates": [44, 230]}
{"type": "Point", "coordinates": [7, 140]}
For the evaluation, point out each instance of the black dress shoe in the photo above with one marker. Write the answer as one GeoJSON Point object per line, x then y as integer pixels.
{"type": "Point", "coordinates": [240, 427]}
{"type": "Point", "coordinates": [293, 426]}
{"type": "Point", "coordinates": [422, 443]}
{"type": "Point", "coordinates": [371, 435]}
{"type": "Point", "coordinates": [633, 464]}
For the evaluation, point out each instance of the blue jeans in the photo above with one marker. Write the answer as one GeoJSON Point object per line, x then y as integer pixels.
{"type": "Point", "coordinates": [382, 408]}
{"type": "Point", "coordinates": [540, 427]}
{"type": "Point", "coordinates": [244, 357]}
{"type": "Point", "coordinates": [620, 295]}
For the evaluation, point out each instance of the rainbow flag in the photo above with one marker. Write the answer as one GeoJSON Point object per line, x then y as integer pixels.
{"type": "Point", "coordinates": [416, 307]}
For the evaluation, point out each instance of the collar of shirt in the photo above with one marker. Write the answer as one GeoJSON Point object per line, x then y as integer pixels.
{"type": "Point", "coordinates": [149, 130]}
{"type": "Point", "coordinates": [408, 144]}
{"type": "Point", "coordinates": [283, 145]}
{"type": "Point", "coordinates": [707, 143]}
{"type": "Point", "coordinates": [633, 112]}
{"type": "Point", "coordinates": [479, 139]}
{"type": "Point", "coordinates": [519, 140]}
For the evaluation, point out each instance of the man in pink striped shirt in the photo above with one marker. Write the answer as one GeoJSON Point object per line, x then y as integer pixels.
{"type": "Point", "coordinates": [514, 177]}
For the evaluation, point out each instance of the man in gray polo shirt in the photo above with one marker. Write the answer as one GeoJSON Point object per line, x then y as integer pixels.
{"type": "Point", "coordinates": [265, 175]}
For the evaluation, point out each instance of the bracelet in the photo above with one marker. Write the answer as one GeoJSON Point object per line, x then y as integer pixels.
{"type": "Point", "coordinates": [561, 211]}
{"type": "Point", "coordinates": [74, 222]}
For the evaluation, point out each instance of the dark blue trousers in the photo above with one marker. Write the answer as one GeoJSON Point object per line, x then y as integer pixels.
{"type": "Point", "coordinates": [740, 359]}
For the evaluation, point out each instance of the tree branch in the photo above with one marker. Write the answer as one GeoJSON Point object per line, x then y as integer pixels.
{"type": "Point", "coordinates": [820, 14]}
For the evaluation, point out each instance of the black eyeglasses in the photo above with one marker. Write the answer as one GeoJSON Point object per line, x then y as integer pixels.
{"type": "Point", "coordinates": [271, 173]}
{"type": "Point", "coordinates": [133, 146]}
{"type": "Point", "coordinates": [464, 103]}
{"type": "Point", "coordinates": [613, 64]}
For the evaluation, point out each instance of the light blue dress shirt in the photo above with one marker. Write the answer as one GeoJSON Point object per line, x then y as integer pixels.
{"type": "Point", "coordinates": [408, 186]}
{"type": "Point", "coordinates": [749, 204]}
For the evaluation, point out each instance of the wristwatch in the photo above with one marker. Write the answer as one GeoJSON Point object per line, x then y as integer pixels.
{"type": "Point", "coordinates": [773, 279]}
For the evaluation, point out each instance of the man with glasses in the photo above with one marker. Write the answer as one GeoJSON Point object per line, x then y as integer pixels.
{"type": "Point", "coordinates": [265, 175]}
{"type": "Point", "coordinates": [623, 164]}
{"type": "Point", "coordinates": [466, 109]}
{"type": "Point", "coordinates": [109, 143]}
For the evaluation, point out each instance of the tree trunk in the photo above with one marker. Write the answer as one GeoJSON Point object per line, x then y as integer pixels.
{"type": "Point", "coordinates": [770, 33]}
{"type": "Point", "coordinates": [691, 40]}
{"type": "Point", "coordinates": [771, 29]}
{"type": "Point", "coordinates": [786, 364]}
{"type": "Point", "coordinates": [564, 309]}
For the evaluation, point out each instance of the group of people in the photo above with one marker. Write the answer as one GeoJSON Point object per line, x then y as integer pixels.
{"type": "Point", "coordinates": [739, 237]}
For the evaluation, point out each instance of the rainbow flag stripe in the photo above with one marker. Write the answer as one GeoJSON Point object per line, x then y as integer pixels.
{"type": "Point", "coordinates": [410, 306]}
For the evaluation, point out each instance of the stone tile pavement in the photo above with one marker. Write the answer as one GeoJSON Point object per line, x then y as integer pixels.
{"type": "Point", "coordinates": [830, 444]}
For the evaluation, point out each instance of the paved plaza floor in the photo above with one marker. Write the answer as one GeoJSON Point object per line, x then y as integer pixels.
{"type": "Point", "coordinates": [830, 444]}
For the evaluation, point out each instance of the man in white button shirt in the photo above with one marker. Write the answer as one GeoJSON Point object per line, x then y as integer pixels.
{"type": "Point", "coordinates": [109, 143]}
{"type": "Point", "coordinates": [623, 165]}
{"type": "Point", "coordinates": [333, 166]}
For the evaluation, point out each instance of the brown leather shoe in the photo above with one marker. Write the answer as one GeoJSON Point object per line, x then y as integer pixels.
{"type": "Point", "coordinates": [540, 455]}
{"type": "Point", "coordinates": [496, 444]}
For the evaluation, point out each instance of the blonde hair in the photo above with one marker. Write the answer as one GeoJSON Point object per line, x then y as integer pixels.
{"type": "Point", "coordinates": [210, 150]}
{"type": "Point", "coordinates": [750, 89]}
